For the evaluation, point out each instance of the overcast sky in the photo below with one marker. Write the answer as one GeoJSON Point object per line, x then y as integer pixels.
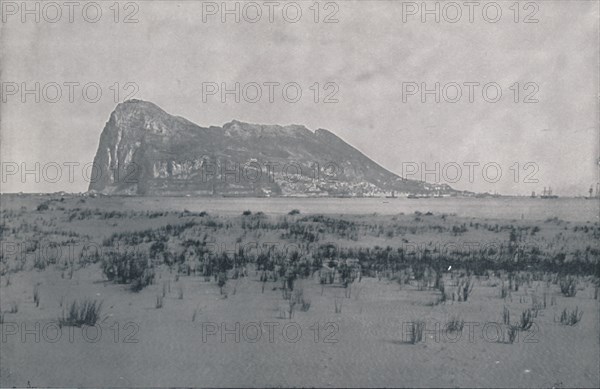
{"type": "Point", "coordinates": [368, 54]}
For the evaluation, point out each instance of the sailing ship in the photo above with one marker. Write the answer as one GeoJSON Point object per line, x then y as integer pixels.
{"type": "Point", "coordinates": [547, 194]}
{"type": "Point", "coordinates": [591, 192]}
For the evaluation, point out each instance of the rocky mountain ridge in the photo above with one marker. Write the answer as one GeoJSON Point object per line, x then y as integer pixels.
{"type": "Point", "coordinates": [145, 151]}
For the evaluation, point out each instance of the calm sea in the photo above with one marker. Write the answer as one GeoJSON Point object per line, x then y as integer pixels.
{"type": "Point", "coordinates": [571, 209]}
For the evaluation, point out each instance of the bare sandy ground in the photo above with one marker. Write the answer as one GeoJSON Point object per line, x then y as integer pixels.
{"type": "Point", "coordinates": [364, 345]}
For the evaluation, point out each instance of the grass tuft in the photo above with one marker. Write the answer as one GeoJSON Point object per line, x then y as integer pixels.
{"type": "Point", "coordinates": [338, 305]}
{"type": "Point", "coordinates": [465, 287]}
{"type": "Point", "coordinates": [526, 319]}
{"type": "Point", "coordinates": [416, 331]}
{"type": "Point", "coordinates": [506, 316]}
{"type": "Point", "coordinates": [571, 318]}
{"type": "Point", "coordinates": [504, 291]}
{"type": "Point", "coordinates": [82, 313]}
{"type": "Point", "coordinates": [36, 295]}
{"type": "Point", "coordinates": [513, 332]}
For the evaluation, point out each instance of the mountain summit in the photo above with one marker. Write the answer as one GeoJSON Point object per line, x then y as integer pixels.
{"type": "Point", "coordinates": [145, 151]}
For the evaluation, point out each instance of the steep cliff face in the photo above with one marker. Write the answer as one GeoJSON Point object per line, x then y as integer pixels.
{"type": "Point", "coordinates": [145, 151]}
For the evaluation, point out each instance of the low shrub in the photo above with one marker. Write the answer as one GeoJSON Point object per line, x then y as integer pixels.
{"type": "Point", "coordinates": [568, 286]}
{"type": "Point", "coordinates": [455, 324]}
{"type": "Point", "coordinates": [128, 268]}
{"type": "Point", "coordinates": [298, 298]}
